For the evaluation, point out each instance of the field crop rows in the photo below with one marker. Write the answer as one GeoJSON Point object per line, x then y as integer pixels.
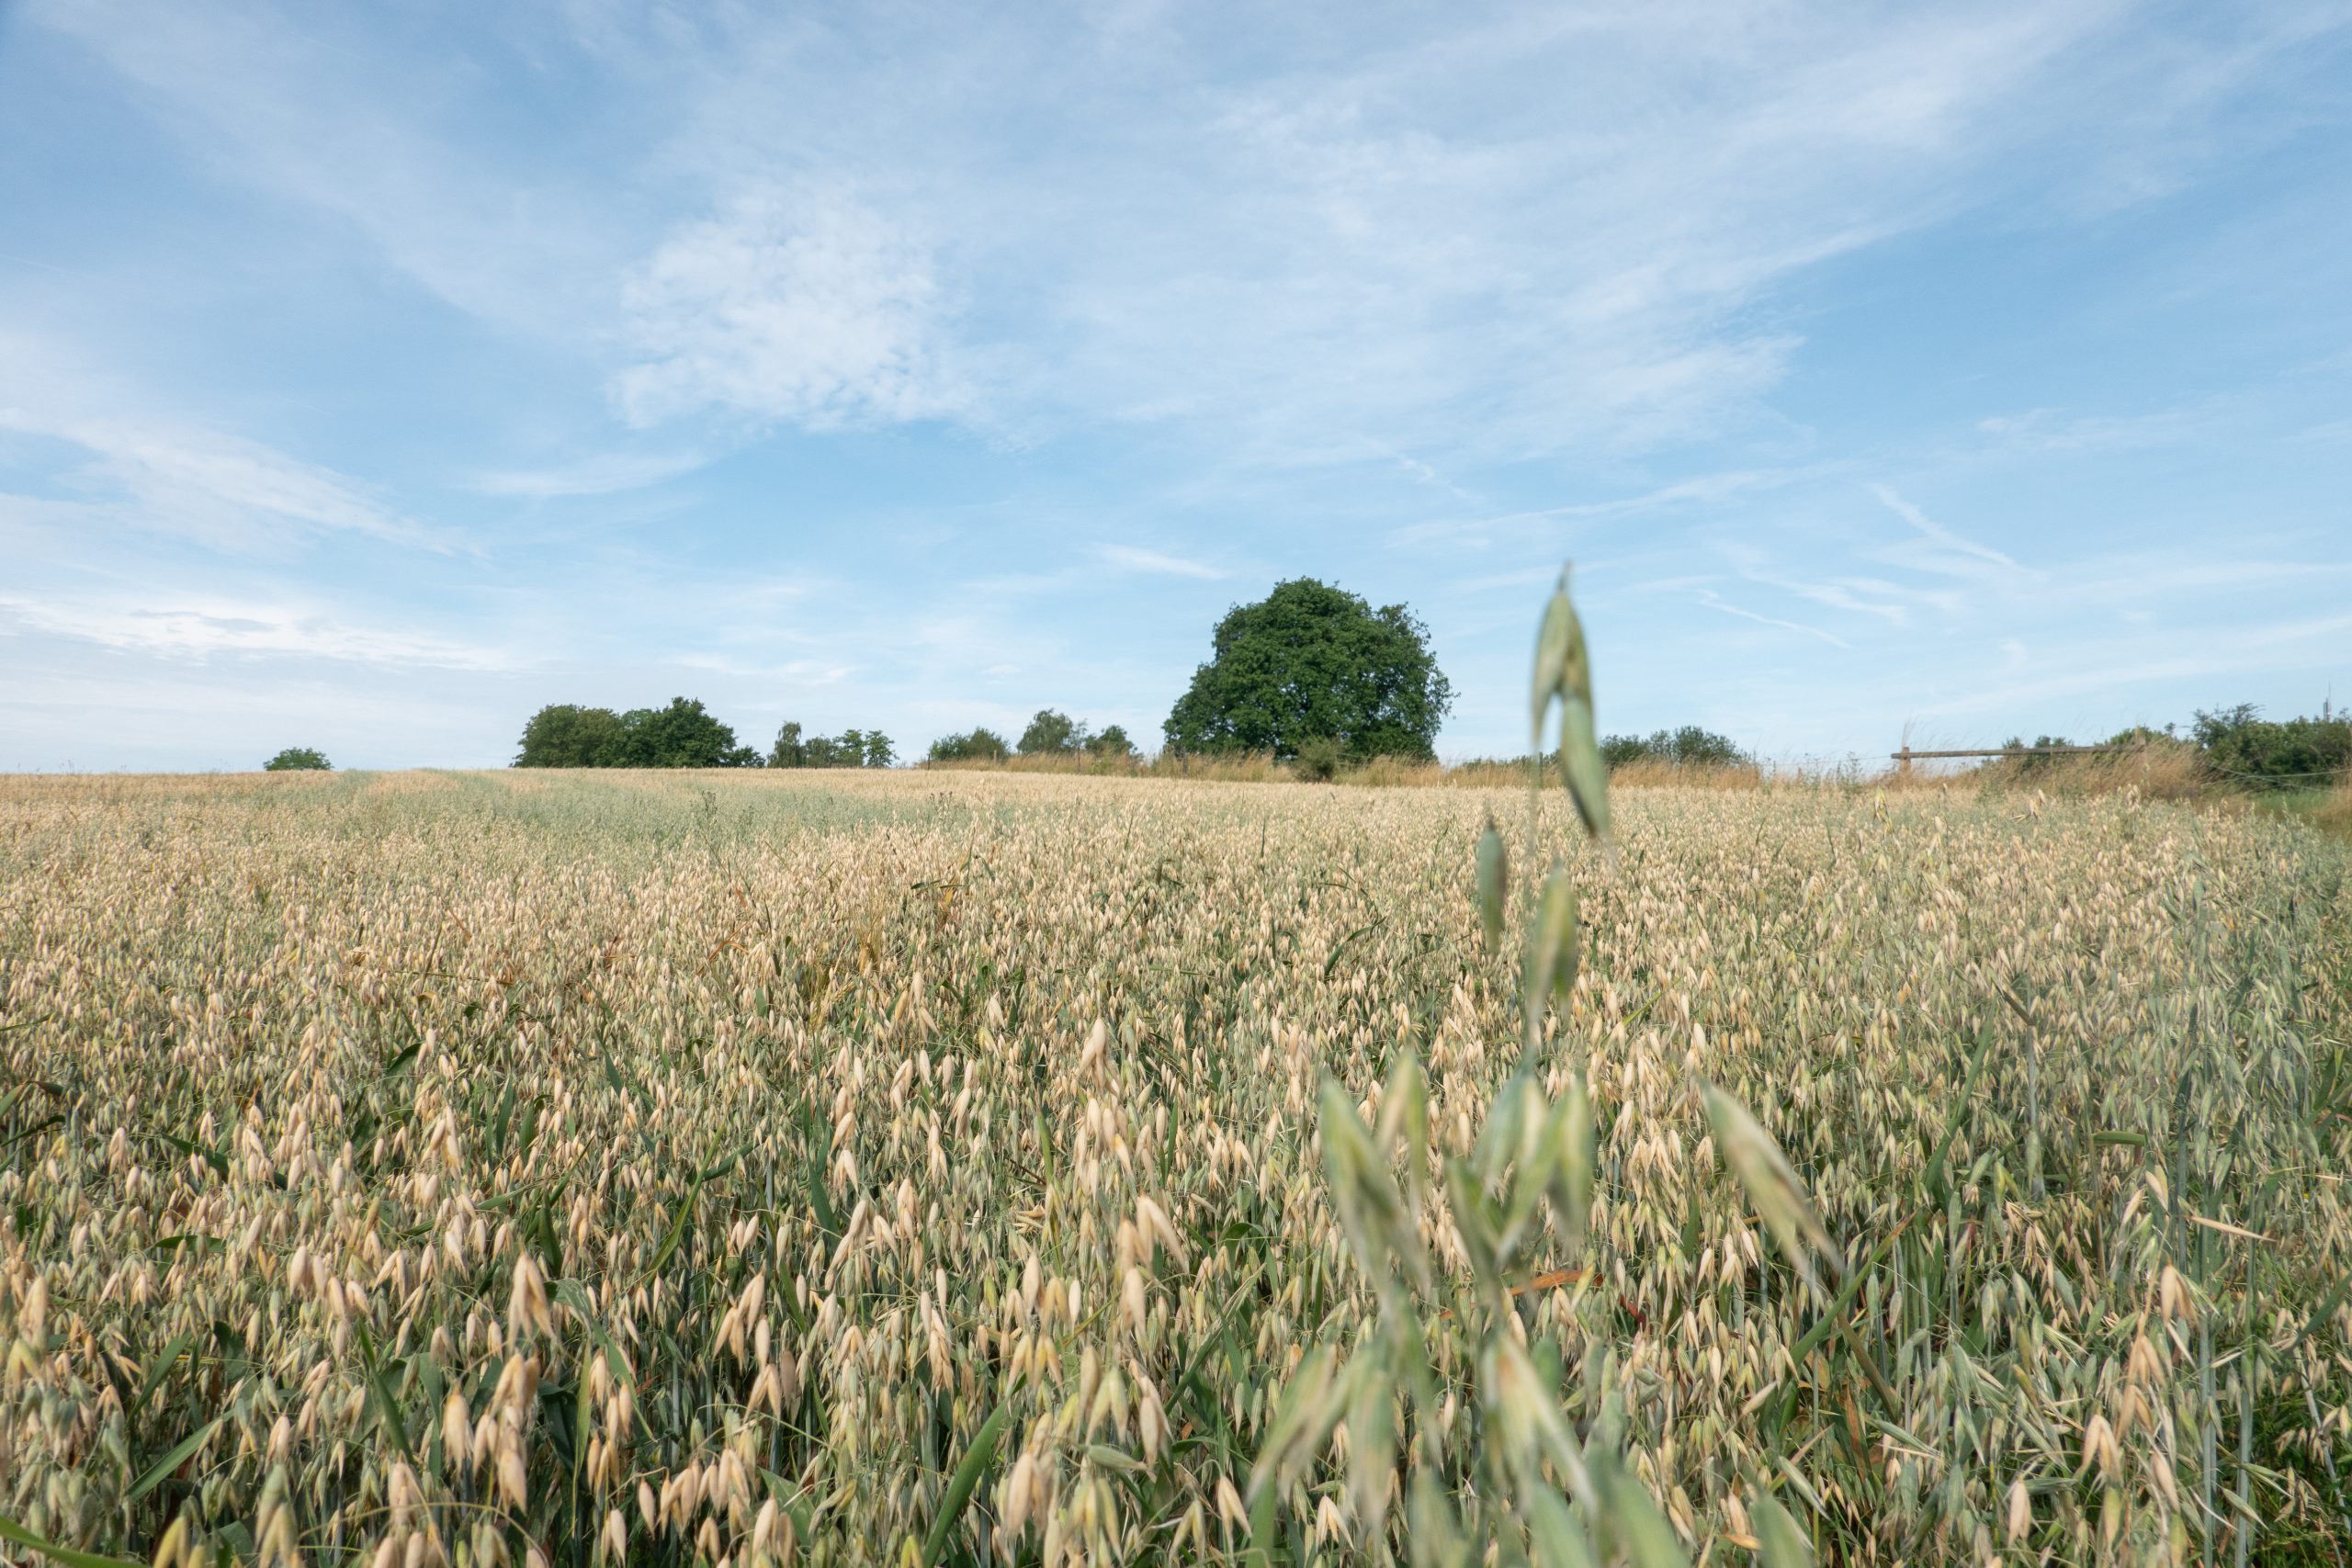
{"type": "Point", "coordinates": [431, 1168]}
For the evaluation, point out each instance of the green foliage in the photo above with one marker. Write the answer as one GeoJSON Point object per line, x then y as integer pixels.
{"type": "Point", "coordinates": [298, 759]}
{"type": "Point", "coordinates": [562, 735]}
{"type": "Point", "coordinates": [977, 745]}
{"type": "Point", "coordinates": [1690, 747]}
{"type": "Point", "coordinates": [1111, 743]}
{"type": "Point", "coordinates": [851, 749]}
{"type": "Point", "coordinates": [1313, 661]}
{"type": "Point", "coordinates": [2245, 746]}
{"type": "Point", "coordinates": [1321, 757]}
{"type": "Point", "coordinates": [2032, 762]}
{"type": "Point", "coordinates": [682, 735]}
{"type": "Point", "coordinates": [1052, 734]}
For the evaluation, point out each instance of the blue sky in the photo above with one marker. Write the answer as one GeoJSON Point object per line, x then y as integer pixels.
{"type": "Point", "coordinates": [372, 375]}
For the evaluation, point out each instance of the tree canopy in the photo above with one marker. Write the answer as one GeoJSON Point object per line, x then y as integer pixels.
{"type": "Point", "coordinates": [684, 735]}
{"type": "Point", "coordinates": [1052, 733]}
{"type": "Point", "coordinates": [978, 745]}
{"type": "Point", "coordinates": [851, 749]}
{"type": "Point", "coordinates": [1312, 662]}
{"type": "Point", "coordinates": [298, 759]}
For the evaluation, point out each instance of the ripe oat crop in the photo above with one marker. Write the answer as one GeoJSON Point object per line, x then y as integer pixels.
{"type": "Point", "coordinates": [559, 1169]}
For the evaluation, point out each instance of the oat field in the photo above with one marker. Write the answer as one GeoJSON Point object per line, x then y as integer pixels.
{"type": "Point", "coordinates": [557, 1170]}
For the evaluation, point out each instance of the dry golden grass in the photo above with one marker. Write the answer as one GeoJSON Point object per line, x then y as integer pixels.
{"type": "Point", "coordinates": [874, 1167]}
{"type": "Point", "coordinates": [1380, 772]}
{"type": "Point", "coordinates": [2336, 811]}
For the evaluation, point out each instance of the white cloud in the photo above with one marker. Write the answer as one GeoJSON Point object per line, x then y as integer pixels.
{"type": "Point", "coordinates": [1490, 234]}
{"type": "Point", "coordinates": [801, 306]}
{"type": "Point", "coordinates": [1129, 559]}
{"type": "Point", "coordinates": [202, 627]}
{"type": "Point", "coordinates": [2055, 431]}
{"type": "Point", "coordinates": [608, 473]}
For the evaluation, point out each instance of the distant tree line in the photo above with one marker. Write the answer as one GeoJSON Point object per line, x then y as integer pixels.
{"type": "Point", "coordinates": [684, 735]}
{"type": "Point", "coordinates": [2237, 744]}
{"type": "Point", "coordinates": [1052, 733]}
{"type": "Point", "coordinates": [1689, 747]}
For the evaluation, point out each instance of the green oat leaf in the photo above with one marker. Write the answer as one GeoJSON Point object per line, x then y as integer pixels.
{"type": "Point", "coordinates": [960, 1485]}
{"type": "Point", "coordinates": [173, 1460]}
{"type": "Point", "coordinates": [11, 1530]}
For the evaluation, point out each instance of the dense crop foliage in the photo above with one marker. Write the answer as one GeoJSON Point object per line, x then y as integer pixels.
{"type": "Point", "coordinates": [524, 1168]}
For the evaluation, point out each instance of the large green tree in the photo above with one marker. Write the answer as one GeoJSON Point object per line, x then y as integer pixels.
{"type": "Point", "coordinates": [565, 735]}
{"type": "Point", "coordinates": [1314, 662]}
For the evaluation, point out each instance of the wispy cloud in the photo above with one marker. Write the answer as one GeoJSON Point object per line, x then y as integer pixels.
{"type": "Point", "coordinates": [1696, 491]}
{"type": "Point", "coordinates": [2057, 432]}
{"type": "Point", "coordinates": [169, 477]}
{"type": "Point", "coordinates": [1715, 602]}
{"type": "Point", "coordinates": [1127, 557]}
{"type": "Point", "coordinates": [200, 626]}
{"type": "Point", "coordinates": [608, 473]}
{"type": "Point", "coordinates": [1936, 532]}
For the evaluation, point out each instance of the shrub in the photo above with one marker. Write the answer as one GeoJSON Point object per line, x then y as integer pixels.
{"type": "Point", "coordinates": [2241, 745]}
{"type": "Point", "coordinates": [1320, 758]}
{"type": "Point", "coordinates": [298, 759]}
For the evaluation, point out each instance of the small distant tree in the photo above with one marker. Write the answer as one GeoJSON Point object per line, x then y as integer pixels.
{"type": "Point", "coordinates": [789, 751]}
{"type": "Point", "coordinates": [977, 745]}
{"type": "Point", "coordinates": [1052, 733]}
{"type": "Point", "coordinates": [879, 752]}
{"type": "Point", "coordinates": [1111, 744]}
{"type": "Point", "coordinates": [298, 759]}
